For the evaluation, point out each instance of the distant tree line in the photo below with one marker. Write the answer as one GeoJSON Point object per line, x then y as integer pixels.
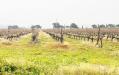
{"type": "Point", "coordinates": [57, 25]}
{"type": "Point", "coordinates": [13, 27]}
{"type": "Point", "coordinates": [17, 27]}
{"type": "Point", "coordinates": [106, 26]}
{"type": "Point", "coordinates": [36, 26]}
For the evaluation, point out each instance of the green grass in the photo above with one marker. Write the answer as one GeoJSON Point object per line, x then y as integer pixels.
{"type": "Point", "coordinates": [45, 58]}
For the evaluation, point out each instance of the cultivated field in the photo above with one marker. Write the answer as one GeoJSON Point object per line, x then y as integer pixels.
{"type": "Point", "coordinates": [49, 57]}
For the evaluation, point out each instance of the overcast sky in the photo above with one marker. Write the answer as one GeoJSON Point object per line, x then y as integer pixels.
{"type": "Point", "coordinates": [44, 12]}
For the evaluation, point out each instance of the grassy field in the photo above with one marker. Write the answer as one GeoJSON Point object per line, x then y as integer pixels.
{"type": "Point", "coordinates": [74, 57]}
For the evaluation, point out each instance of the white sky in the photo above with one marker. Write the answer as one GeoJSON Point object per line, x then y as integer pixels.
{"type": "Point", "coordinates": [44, 12]}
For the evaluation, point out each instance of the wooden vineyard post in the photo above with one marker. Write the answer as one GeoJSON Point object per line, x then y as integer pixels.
{"type": "Point", "coordinates": [35, 34]}
{"type": "Point", "coordinates": [82, 26]}
{"type": "Point", "coordinates": [99, 38]}
{"type": "Point", "coordinates": [62, 37]}
{"type": "Point", "coordinates": [92, 37]}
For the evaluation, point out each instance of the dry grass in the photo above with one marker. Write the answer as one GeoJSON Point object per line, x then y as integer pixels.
{"type": "Point", "coordinates": [55, 45]}
{"type": "Point", "coordinates": [5, 42]}
{"type": "Point", "coordinates": [115, 53]}
{"type": "Point", "coordinates": [87, 69]}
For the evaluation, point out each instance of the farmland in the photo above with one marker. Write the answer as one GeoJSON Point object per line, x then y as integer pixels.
{"type": "Point", "coordinates": [50, 57]}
